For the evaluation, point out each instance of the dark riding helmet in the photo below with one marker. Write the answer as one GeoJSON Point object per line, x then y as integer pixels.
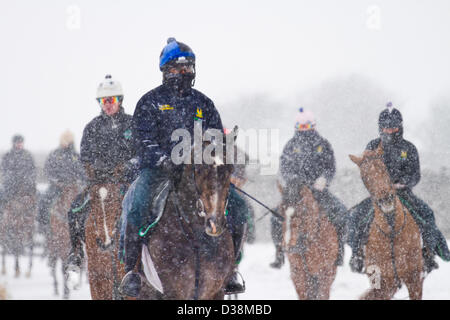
{"type": "Point", "coordinates": [17, 138]}
{"type": "Point", "coordinates": [174, 55]}
{"type": "Point", "coordinates": [390, 118]}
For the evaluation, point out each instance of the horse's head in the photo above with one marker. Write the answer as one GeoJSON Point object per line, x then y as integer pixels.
{"type": "Point", "coordinates": [376, 178]}
{"type": "Point", "coordinates": [210, 183]}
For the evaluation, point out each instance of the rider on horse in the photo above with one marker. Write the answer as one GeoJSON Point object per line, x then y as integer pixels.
{"type": "Point", "coordinates": [402, 162]}
{"type": "Point", "coordinates": [308, 160]}
{"type": "Point", "coordinates": [18, 172]}
{"type": "Point", "coordinates": [107, 144]}
{"type": "Point", "coordinates": [62, 167]}
{"type": "Point", "coordinates": [170, 106]}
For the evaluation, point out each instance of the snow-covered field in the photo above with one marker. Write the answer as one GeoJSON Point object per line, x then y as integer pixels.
{"type": "Point", "coordinates": [262, 282]}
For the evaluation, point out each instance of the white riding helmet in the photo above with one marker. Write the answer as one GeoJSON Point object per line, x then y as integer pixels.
{"type": "Point", "coordinates": [109, 88]}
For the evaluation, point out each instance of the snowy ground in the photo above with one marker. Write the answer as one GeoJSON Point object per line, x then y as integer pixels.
{"type": "Point", "coordinates": [262, 282]}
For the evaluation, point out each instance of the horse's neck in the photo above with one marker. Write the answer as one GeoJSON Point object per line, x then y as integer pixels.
{"type": "Point", "coordinates": [381, 218]}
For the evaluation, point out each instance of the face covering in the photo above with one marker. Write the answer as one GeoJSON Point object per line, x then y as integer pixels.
{"type": "Point", "coordinates": [179, 82]}
{"type": "Point", "coordinates": [392, 138]}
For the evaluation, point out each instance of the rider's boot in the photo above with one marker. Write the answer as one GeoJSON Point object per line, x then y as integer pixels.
{"type": "Point", "coordinates": [341, 250]}
{"type": "Point", "coordinates": [234, 286]}
{"type": "Point", "coordinates": [131, 282]}
{"type": "Point", "coordinates": [76, 231]}
{"type": "Point", "coordinates": [357, 260]}
{"type": "Point", "coordinates": [279, 258]}
{"type": "Point", "coordinates": [428, 260]}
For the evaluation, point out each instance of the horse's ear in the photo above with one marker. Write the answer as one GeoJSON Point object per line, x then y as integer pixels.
{"type": "Point", "coordinates": [356, 159]}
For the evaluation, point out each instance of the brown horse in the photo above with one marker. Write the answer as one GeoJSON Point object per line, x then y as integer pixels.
{"type": "Point", "coordinates": [393, 250]}
{"type": "Point", "coordinates": [102, 239]}
{"type": "Point", "coordinates": [17, 229]}
{"type": "Point", "coordinates": [59, 238]}
{"type": "Point", "coordinates": [191, 246]}
{"type": "Point", "coordinates": [311, 243]}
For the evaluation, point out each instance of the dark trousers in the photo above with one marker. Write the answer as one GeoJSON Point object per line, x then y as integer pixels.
{"type": "Point", "coordinates": [77, 214]}
{"type": "Point", "coordinates": [43, 218]}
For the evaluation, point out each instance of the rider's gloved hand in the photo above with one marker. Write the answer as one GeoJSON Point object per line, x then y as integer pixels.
{"type": "Point", "coordinates": [320, 183]}
{"type": "Point", "coordinates": [399, 186]}
{"type": "Point", "coordinates": [167, 166]}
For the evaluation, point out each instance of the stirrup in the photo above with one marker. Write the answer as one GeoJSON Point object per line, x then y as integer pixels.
{"type": "Point", "coordinates": [233, 286]}
{"type": "Point", "coordinates": [131, 284]}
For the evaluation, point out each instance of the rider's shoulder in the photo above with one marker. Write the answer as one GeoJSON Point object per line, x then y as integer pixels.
{"type": "Point", "coordinates": [409, 145]}
{"type": "Point", "coordinates": [201, 97]}
{"type": "Point", "coordinates": [151, 97]}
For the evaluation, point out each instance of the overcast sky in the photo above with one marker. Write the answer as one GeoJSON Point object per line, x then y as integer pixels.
{"type": "Point", "coordinates": [54, 53]}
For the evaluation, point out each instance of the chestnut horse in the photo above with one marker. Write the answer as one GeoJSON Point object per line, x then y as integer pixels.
{"type": "Point", "coordinates": [311, 243]}
{"type": "Point", "coordinates": [393, 251]}
{"type": "Point", "coordinates": [191, 247]}
{"type": "Point", "coordinates": [17, 229]}
{"type": "Point", "coordinates": [59, 238]}
{"type": "Point", "coordinates": [102, 239]}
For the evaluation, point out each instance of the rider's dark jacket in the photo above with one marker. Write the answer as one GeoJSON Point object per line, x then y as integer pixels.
{"type": "Point", "coordinates": [159, 112]}
{"type": "Point", "coordinates": [63, 166]}
{"type": "Point", "coordinates": [402, 161]}
{"type": "Point", "coordinates": [107, 143]}
{"type": "Point", "coordinates": [306, 157]}
{"type": "Point", "coordinates": [18, 172]}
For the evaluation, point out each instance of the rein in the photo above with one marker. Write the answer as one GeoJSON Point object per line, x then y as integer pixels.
{"type": "Point", "coordinates": [260, 203]}
{"type": "Point", "coordinates": [391, 236]}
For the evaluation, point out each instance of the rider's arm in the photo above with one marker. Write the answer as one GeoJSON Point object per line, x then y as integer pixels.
{"type": "Point", "coordinates": [146, 132]}
{"type": "Point", "coordinates": [327, 162]}
{"type": "Point", "coordinates": [213, 120]}
{"type": "Point", "coordinates": [411, 173]}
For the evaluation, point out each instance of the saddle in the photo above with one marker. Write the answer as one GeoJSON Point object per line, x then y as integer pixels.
{"type": "Point", "coordinates": [161, 193]}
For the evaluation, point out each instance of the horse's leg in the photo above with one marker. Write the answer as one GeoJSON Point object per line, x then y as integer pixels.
{"type": "Point", "coordinates": [30, 265]}
{"type": "Point", "coordinates": [94, 282]}
{"type": "Point", "coordinates": [325, 282]}
{"type": "Point", "coordinates": [414, 283]}
{"type": "Point", "coordinates": [298, 276]}
{"type": "Point", "coordinates": [17, 267]}
{"type": "Point", "coordinates": [52, 264]}
{"type": "Point", "coordinates": [3, 260]}
{"type": "Point", "coordinates": [386, 291]}
{"type": "Point", "coordinates": [65, 277]}
{"type": "Point", "coordinates": [220, 296]}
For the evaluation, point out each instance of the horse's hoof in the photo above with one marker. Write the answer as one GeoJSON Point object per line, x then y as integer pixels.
{"type": "Point", "coordinates": [28, 274]}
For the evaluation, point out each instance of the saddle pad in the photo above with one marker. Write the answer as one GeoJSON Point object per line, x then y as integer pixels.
{"type": "Point", "coordinates": [149, 270]}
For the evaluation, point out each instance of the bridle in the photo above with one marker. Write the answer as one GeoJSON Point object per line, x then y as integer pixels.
{"type": "Point", "coordinates": [202, 213]}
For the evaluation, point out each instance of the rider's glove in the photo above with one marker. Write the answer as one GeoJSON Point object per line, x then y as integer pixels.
{"type": "Point", "coordinates": [320, 183]}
